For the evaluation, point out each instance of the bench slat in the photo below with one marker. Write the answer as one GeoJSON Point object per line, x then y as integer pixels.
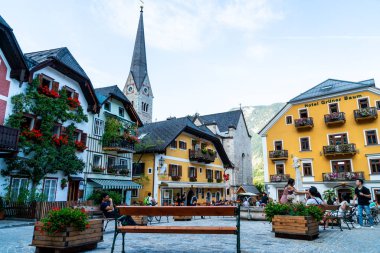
{"type": "Point", "coordinates": [178, 210]}
{"type": "Point", "coordinates": [178, 229]}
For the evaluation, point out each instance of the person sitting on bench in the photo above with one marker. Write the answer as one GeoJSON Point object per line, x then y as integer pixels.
{"type": "Point", "coordinates": [107, 207]}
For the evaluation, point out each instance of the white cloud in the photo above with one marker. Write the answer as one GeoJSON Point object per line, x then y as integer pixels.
{"type": "Point", "coordinates": [178, 25]}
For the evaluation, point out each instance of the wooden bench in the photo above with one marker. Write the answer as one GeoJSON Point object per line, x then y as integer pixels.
{"type": "Point", "coordinates": [334, 217]}
{"type": "Point", "coordinates": [177, 211]}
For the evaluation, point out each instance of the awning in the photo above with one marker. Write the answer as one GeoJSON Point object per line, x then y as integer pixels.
{"type": "Point", "coordinates": [172, 184]}
{"type": "Point", "coordinates": [116, 184]}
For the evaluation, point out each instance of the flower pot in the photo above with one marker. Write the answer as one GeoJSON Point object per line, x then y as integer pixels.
{"type": "Point", "coordinates": [295, 227]}
{"type": "Point", "coordinates": [71, 238]}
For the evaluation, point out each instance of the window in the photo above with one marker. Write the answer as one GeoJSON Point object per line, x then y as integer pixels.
{"type": "Point", "coordinates": [138, 169]}
{"type": "Point", "coordinates": [378, 105]}
{"type": "Point", "coordinates": [338, 139]}
{"type": "Point", "coordinates": [97, 160]}
{"type": "Point", "coordinates": [280, 170]}
{"type": "Point", "coordinates": [377, 196]}
{"type": "Point", "coordinates": [175, 170]}
{"type": "Point", "coordinates": [46, 82]}
{"type": "Point", "coordinates": [50, 187]}
{"type": "Point", "coordinates": [333, 108]}
{"type": "Point", "coordinates": [77, 135]}
{"type": "Point", "coordinates": [27, 122]}
{"type": "Point", "coordinates": [363, 103]}
{"type": "Point", "coordinates": [144, 107]}
{"type": "Point", "coordinates": [192, 172]}
{"type": "Point", "coordinates": [98, 127]}
{"type": "Point", "coordinates": [150, 171]}
{"type": "Point", "coordinates": [375, 166]}
{"type": "Point", "coordinates": [200, 170]}
{"type": "Point", "coordinates": [371, 137]}
{"type": "Point", "coordinates": [111, 161]}
{"type": "Point", "coordinates": [303, 113]}
{"type": "Point", "coordinates": [218, 175]}
{"type": "Point", "coordinates": [278, 145]}
{"type": "Point", "coordinates": [69, 92]}
{"type": "Point", "coordinates": [307, 170]}
{"type": "Point", "coordinates": [209, 174]}
{"type": "Point", "coordinates": [305, 144]}
{"type": "Point", "coordinates": [341, 166]}
{"type": "Point", "coordinates": [134, 193]}
{"type": "Point", "coordinates": [121, 112]}
{"type": "Point", "coordinates": [182, 145]}
{"type": "Point", "coordinates": [57, 129]}
{"type": "Point", "coordinates": [18, 186]}
{"type": "Point", "coordinates": [107, 106]}
{"type": "Point", "coordinates": [173, 144]}
{"type": "Point", "coordinates": [289, 120]}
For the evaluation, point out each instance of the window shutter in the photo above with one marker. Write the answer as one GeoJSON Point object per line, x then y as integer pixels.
{"type": "Point", "coordinates": [39, 76]}
{"type": "Point", "coordinates": [212, 175]}
{"type": "Point", "coordinates": [180, 170]}
{"type": "Point", "coordinates": [55, 86]}
{"type": "Point", "coordinates": [175, 144]}
{"type": "Point", "coordinates": [37, 123]}
{"type": "Point", "coordinates": [195, 172]}
{"type": "Point", "coordinates": [190, 168]}
{"type": "Point", "coordinates": [170, 169]}
{"type": "Point", "coordinates": [76, 95]}
{"type": "Point", "coordinates": [83, 138]}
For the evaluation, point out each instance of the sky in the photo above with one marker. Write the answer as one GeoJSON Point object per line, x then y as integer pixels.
{"type": "Point", "coordinates": [209, 56]}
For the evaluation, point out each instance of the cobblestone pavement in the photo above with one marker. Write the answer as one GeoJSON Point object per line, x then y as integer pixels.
{"type": "Point", "coordinates": [255, 237]}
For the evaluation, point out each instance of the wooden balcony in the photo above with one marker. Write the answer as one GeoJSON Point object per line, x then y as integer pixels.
{"type": "Point", "coordinates": [279, 178]}
{"type": "Point", "coordinates": [369, 113]}
{"type": "Point", "coordinates": [120, 146]}
{"type": "Point", "coordinates": [335, 118]}
{"type": "Point", "coordinates": [8, 141]}
{"type": "Point", "coordinates": [342, 176]}
{"type": "Point", "coordinates": [343, 149]}
{"type": "Point", "coordinates": [278, 155]}
{"type": "Point", "coordinates": [121, 170]}
{"type": "Point", "coordinates": [304, 123]}
{"type": "Point", "coordinates": [202, 156]}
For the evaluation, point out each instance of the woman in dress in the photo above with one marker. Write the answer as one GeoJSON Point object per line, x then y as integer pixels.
{"type": "Point", "coordinates": [289, 192]}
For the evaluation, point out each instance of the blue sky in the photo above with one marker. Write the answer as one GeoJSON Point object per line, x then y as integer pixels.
{"type": "Point", "coordinates": [209, 56]}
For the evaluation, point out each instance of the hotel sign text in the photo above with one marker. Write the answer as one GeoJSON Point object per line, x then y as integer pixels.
{"type": "Point", "coordinates": [332, 100]}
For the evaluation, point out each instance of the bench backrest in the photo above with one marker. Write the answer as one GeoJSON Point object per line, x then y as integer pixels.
{"type": "Point", "coordinates": [178, 210]}
{"type": "Point", "coordinates": [329, 207]}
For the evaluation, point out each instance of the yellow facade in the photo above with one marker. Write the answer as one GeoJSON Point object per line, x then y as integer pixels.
{"type": "Point", "coordinates": [324, 160]}
{"type": "Point", "coordinates": [179, 156]}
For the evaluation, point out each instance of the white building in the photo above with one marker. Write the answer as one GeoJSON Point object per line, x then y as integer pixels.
{"type": "Point", "coordinates": [109, 163]}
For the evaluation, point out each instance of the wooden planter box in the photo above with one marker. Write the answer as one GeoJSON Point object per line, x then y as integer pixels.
{"type": "Point", "coordinates": [71, 240]}
{"type": "Point", "coordinates": [295, 227]}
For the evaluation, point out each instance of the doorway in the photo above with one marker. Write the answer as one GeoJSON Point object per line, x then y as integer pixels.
{"type": "Point", "coordinates": [343, 191]}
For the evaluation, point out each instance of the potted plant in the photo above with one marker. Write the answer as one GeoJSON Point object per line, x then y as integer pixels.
{"type": "Point", "coordinates": [329, 196]}
{"type": "Point", "coordinates": [124, 172]}
{"type": "Point", "coordinates": [63, 183]}
{"type": "Point", "coordinates": [67, 228]}
{"type": "Point", "coordinates": [204, 151]}
{"type": "Point", "coordinates": [296, 221]}
{"type": "Point", "coordinates": [330, 148]}
{"type": "Point", "coordinates": [80, 146]}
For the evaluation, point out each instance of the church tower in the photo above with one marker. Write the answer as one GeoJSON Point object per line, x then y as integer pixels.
{"type": "Point", "coordinates": [137, 88]}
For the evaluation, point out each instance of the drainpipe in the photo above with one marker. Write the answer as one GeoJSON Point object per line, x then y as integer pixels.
{"type": "Point", "coordinates": [154, 176]}
{"type": "Point", "coordinates": [242, 169]}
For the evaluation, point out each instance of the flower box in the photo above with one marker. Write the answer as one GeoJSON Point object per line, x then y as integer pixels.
{"type": "Point", "coordinates": [33, 134]}
{"type": "Point", "coordinates": [80, 146]}
{"type": "Point", "coordinates": [71, 238]}
{"type": "Point", "coordinates": [47, 92]}
{"type": "Point", "coordinates": [295, 227]}
{"type": "Point", "coordinates": [73, 103]}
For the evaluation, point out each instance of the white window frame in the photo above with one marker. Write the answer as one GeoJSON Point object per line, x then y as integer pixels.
{"type": "Point", "coordinates": [274, 144]}
{"type": "Point", "coordinates": [365, 137]}
{"type": "Point", "coordinates": [343, 159]}
{"type": "Point", "coordinates": [137, 193]}
{"type": "Point", "coordinates": [346, 133]}
{"type": "Point", "coordinates": [372, 157]}
{"type": "Point", "coordinates": [328, 107]}
{"type": "Point", "coordinates": [303, 137]}
{"type": "Point", "coordinates": [107, 103]}
{"type": "Point", "coordinates": [150, 170]}
{"type": "Point", "coordinates": [312, 167]}
{"type": "Point", "coordinates": [299, 114]}
{"type": "Point", "coordinates": [291, 116]}
{"type": "Point", "coordinates": [19, 186]}
{"type": "Point", "coordinates": [179, 146]}
{"type": "Point", "coordinates": [98, 127]}
{"type": "Point", "coordinates": [367, 97]}
{"type": "Point", "coordinates": [377, 101]}
{"type": "Point", "coordinates": [275, 167]}
{"type": "Point", "coordinates": [200, 170]}
{"type": "Point", "coordinates": [101, 160]}
{"type": "Point", "coordinates": [50, 188]}
{"type": "Point", "coordinates": [121, 109]}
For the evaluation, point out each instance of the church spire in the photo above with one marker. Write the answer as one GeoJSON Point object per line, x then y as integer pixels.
{"type": "Point", "coordinates": [139, 68]}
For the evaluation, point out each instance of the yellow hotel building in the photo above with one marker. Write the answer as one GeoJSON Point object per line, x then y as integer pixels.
{"type": "Point", "coordinates": [176, 156]}
{"type": "Point", "coordinates": [333, 129]}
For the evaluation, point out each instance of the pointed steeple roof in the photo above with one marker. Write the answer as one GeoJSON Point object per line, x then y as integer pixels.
{"type": "Point", "coordinates": [139, 68]}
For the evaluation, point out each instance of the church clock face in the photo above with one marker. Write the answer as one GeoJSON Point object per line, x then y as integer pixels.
{"type": "Point", "coordinates": [146, 90]}
{"type": "Point", "coordinates": [130, 88]}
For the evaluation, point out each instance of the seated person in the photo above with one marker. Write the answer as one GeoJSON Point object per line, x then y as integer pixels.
{"type": "Point", "coordinates": [344, 205]}
{"type": "Point", "coordinates": [314, 200]}
{"type": "Point", "coordinates": [107, 207]}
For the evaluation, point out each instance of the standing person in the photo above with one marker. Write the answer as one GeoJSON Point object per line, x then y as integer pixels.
{"type": "Point", "coordinates": [363, 195]}
{"type": "Point", "coordinates": [289, 192]}
{"type": "Point", "coordinates": [178, 199]}
{"type": "Point", "coordinates": [148, 200]}
{"type": "Point", "coordinates": [264, 199]}
{"type": "Point", "coordinates": [193, 201]}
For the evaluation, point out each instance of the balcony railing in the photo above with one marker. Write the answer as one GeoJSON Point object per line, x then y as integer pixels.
{"type": "Point", "coordinates": [365, 113]}
{"type": "Point", "coordinates": [278, 154]}
{"type": "Point", "coordinates": [335, 118]}
{"type": "Point", "coordinates": [343, 149]}
{"type": "Point", "coordinates": [279, 178]}
{"type": "Point", "coordinates": [304, 123]}
{"type": "Point", "coordinates": [118, 170]}
{"type": "Point", "coordinates": [120, 146]}
{"type": "Point", "coordinates": [8, 141]}
{"type": "Point", "coordinates": [343, 176]}
{"type": "Point", "coordinates": [202, 156]}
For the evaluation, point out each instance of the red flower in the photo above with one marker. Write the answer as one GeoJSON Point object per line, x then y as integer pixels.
{"type": "Point", "coordinates": [55, 209]}
{"type": "Point", "coordinates": [49, 93]}
{"type": "Point", "coordinates": [33, 134]}
{"type": "Point", "coordinates": [73, 102]}
{"type": "Point", "coordinates": [80, 146]}
{"type": "Point", "coordinates": [59, 141]}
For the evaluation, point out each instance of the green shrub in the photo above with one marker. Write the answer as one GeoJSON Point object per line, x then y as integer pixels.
{"type": "Point", "coordinates": [58, 220]}
{"type": "Point", "coordinates": [96, 196]}
{"type": "Point", "coordinates": [297, 209]}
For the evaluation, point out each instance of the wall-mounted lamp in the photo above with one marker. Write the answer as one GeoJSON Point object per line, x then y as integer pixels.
{"type": "Point", "coordinates": [161, 161]}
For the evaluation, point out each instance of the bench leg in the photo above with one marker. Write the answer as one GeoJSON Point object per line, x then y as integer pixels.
{"type": "Point", "coordinates": [113, 243]}
{"type": "Point", "coordinates": [123, 235]}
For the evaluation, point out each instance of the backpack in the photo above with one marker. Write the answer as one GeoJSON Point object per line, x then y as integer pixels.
{"type": "Point", "coordinates": [146, 201]}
